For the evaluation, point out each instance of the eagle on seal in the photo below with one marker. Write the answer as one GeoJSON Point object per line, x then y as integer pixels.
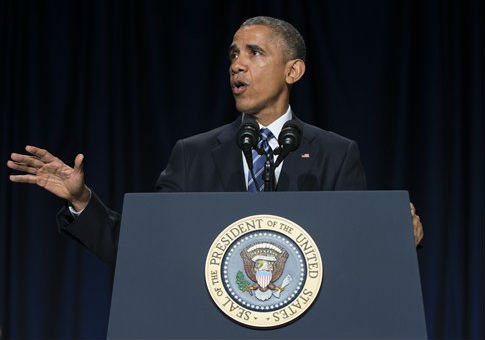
{"type": "Point", "coordinates": [264, 263]}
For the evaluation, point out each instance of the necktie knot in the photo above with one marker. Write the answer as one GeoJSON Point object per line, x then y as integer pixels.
{"type": "Point", "coordinates": [265, 135]}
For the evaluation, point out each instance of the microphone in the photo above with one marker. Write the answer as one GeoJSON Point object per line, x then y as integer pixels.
{"type": "Point", "coordinates": [248, 137]}
{"type": "Point", "coordinates": [289, 139]}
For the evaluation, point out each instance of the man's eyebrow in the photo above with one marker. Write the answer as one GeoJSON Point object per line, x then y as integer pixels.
{"type": "Point", "coordinates": [232, 48]}
{"type": "Point", "coordinates": [251, 47]}
{"type": "Point", "coordinates": [254, 47]}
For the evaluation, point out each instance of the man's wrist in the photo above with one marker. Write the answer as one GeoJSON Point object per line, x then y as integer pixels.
{"type": "Point", "coordinates": [79, 205]}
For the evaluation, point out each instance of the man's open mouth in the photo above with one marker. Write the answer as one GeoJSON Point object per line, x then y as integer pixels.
{"type": "Point", "coordinates": [238, 87]}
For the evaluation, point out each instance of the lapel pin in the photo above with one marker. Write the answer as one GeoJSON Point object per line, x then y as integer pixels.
{"type": "Point", "coordinates": [305, 155]}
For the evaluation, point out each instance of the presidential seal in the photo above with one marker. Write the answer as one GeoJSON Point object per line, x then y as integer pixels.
{"type": "Point", "coordinates": [263, 271]}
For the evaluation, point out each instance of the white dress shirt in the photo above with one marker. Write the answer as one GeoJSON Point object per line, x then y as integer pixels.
{"type": "Point", "coordinates": [275, 129]}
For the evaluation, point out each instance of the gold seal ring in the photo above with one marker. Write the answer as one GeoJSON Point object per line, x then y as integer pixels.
{"type": "Point", "coordinates": [263, 271]}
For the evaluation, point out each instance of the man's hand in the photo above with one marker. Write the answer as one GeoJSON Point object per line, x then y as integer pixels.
{"type": "Point", "coordinates": [52, 174]}
{"type": "Point", "coordinates": [417, 225]}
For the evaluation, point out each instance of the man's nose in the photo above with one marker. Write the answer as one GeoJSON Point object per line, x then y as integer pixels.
{"type": "Point", "coordinates": [238, 65]}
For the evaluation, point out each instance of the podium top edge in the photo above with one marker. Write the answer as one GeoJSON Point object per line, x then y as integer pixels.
{"type": "Point", "coordinates": [214, 193]}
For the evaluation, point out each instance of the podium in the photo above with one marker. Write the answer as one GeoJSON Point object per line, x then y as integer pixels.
{"type": "Point", "coordinates": [370, 289]}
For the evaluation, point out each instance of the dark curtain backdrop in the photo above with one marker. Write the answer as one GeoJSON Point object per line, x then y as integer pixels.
{"type": "Point", "coordinates": [121, 81]}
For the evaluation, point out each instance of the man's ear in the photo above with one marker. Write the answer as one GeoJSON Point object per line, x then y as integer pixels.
{"type": "Point", "coordinates": [295, 69]}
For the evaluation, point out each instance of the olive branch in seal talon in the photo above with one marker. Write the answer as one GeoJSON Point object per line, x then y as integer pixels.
{"type": "Point", "coordinates": [242, 283]}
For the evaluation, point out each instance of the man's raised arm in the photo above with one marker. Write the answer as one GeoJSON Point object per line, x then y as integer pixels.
{"type": "Point", "coordinates": [97, 227]}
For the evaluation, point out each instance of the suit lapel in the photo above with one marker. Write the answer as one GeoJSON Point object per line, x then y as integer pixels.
{"type": "Point", "coordinates": [298, 163]}
{"type": "Point", "coordinates": [228, 159]}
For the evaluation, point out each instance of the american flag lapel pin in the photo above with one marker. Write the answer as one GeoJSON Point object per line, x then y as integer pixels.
{"type": "Point", "coordinates": [305, 155]}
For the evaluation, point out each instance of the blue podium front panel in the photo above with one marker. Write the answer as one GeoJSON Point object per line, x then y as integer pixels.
{"type": "Point", "coordinates": [370, 289]}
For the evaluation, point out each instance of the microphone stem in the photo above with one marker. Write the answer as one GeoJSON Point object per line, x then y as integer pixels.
{"type": "Point", "coordinates": [269, 175]}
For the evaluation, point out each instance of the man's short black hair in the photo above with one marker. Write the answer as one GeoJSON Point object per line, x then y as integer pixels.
{"type": "Point", "coordinates": [295, 45]}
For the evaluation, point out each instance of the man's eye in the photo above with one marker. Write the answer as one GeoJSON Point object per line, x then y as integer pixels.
{"type": "Point", "coordinates": [232, 56]}
{"type": "Point", "coordinates": [256, 52]}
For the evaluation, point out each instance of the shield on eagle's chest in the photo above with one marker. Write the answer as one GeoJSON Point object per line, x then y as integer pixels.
{"type": "Point", "coordinates": [263, 278]}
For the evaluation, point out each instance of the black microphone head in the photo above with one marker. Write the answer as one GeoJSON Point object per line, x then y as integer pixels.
{"type": "Point", "coordinates": [290, 135]}
{"type": "Point", "coordinates": [248, 137]}
{"type": "Point", "coordinates": [248, 134]}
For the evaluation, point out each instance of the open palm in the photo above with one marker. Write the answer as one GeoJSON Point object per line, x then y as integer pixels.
{"type": "Point", "coordinates": [50, 173]}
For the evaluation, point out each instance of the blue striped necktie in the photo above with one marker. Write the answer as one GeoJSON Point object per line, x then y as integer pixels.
{"type": "Point", "coordinates": [259, 160]}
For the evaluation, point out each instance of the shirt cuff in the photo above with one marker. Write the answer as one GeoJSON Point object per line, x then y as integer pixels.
{"type": "Point", "coordinates": [75, 213]}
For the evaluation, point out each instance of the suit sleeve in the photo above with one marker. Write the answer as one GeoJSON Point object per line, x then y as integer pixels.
{"type": "Point", "coordinates": [351, 175]}
{"type": "Point", "coordinates": [97, 228]}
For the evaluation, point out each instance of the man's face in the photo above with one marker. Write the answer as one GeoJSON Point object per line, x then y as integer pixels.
{"type": "Point", "coordinates": [257, 71]}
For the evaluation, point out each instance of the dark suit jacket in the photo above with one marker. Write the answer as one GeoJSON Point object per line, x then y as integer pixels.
{"type": "Point", "coordinates": [212, 161]}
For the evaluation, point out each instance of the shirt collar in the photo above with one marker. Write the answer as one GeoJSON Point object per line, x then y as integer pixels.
{"type": "Point", "coordinates": [276, 126]}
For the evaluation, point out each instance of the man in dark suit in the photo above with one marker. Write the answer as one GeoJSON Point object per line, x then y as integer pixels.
{"type": "Point", "coordinates": [267, 58]}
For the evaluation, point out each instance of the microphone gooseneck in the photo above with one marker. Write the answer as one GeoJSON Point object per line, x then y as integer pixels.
{"type": "Point", "coordinates": [248, 137]}
{"type": "Point", "coordinates": [289, 139]}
